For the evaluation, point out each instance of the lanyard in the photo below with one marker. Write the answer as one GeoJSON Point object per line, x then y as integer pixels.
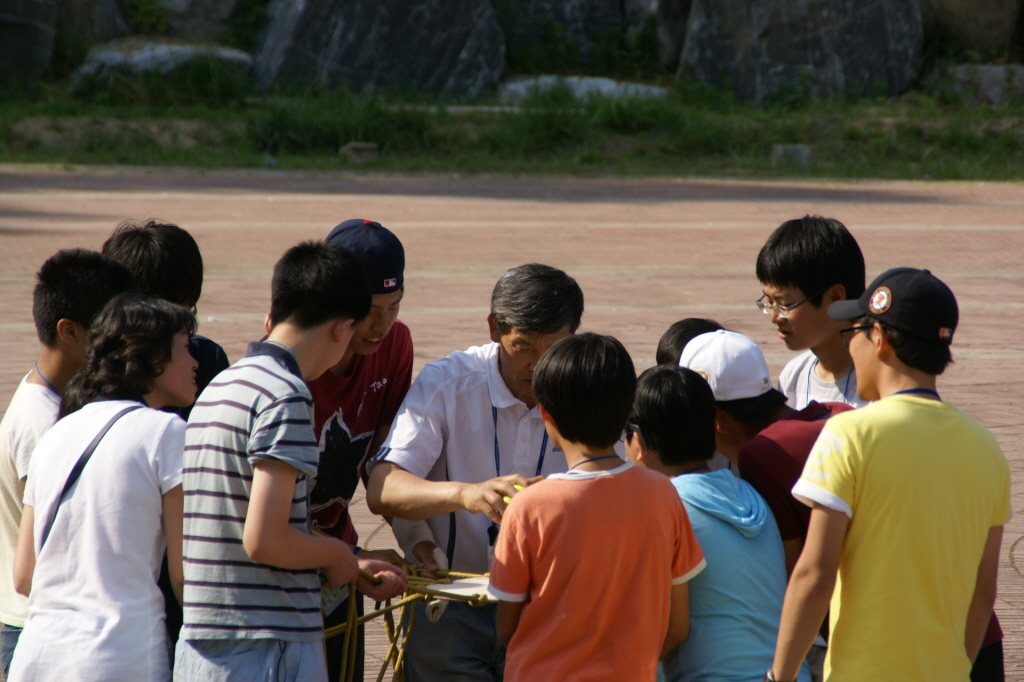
{"type": "Point", "coordinates": [807, 384]}
{"type": "Point", "coordinates": [497, 456]}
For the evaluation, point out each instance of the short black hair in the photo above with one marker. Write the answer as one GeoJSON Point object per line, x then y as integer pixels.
{"type": "Point", "coordinates": [164, 259]}
{"type": "Point", "coordinates": [536, 298]}
{"type": "Point", "coordinates": [672, 342]}
{"type": "Point", "coordinates": [926, 356]}
{"type": "Point", "coordinates": [129, 343]}
{"type": "Point", "coordinates": [674, 414]}
{"type": "Point", "coordinates": [75, 284]}
{"type": "Point", "coordinates": [316, 282]}
{"type": "Point", "coordinates": [758, 411]}
{"type": "Point", "coordinates": [812, 253]}
{"type": "Point", "coordinates": [586, 382]}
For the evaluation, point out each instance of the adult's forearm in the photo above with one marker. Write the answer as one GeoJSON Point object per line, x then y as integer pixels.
{"type": "Point", "coordinates": [393, 491]}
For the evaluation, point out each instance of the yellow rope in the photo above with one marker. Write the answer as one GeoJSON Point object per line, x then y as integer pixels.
{"type": "Point", "coordinates": [417, 590]}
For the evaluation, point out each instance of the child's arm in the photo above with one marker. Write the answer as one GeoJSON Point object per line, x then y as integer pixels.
{"type": "Point", "coordinates": [810, 589]}
{"type": "Point", "coordinates": [25, 553]}
{"type": "Point", "coordinates": [678, 618]}
{"type": "Point", "coordinates": [269, 539]}
{"type": "Point", "coordinates": [173, 511]}
{"type": "Point", "coordinates": [507, 619]}
{"type": "Point", "coordinates": [980, 610]}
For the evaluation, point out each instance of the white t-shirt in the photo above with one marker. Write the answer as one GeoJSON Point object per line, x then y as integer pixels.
{"type": "Point", "coordinates": [33, 410]}
{"type": "Point", "coordinates": [446, 430]}
{"type": "Point", "coordinates": [800, 385]}
{"type": "Point", "coordinates": [95, 611]}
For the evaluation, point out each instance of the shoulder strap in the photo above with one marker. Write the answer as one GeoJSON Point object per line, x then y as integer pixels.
{"type": "Point", "coordinates": [76, 471]}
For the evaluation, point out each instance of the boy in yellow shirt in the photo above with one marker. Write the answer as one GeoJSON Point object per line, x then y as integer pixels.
{"type": "Point", "coordinates": [909, 499]}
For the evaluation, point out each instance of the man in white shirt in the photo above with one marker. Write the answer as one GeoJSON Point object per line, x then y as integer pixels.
{"type": "Point", "coordinates": [72, 287]}
{"type": "Point", "coordinates": [466, 435]}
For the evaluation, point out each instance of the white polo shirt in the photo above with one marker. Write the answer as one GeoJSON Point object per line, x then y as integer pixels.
{"type": "Point", "coordinates": [460, 422]}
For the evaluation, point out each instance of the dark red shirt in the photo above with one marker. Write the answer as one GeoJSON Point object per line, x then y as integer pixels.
{"type": "Point", "coordinates": [347, 411]}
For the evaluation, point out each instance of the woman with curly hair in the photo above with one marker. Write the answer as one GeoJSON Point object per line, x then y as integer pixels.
{"type": "Point", "coordinates": [90, 546]}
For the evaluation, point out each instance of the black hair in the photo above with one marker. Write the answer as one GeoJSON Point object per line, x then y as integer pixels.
{"type": "Point", "coordinates": [674, 414]}
{"type": "Point", "coordinates": [75, 284]}
{"type": "Point", "coordinates": [316, 282]}
{"type": "Point", "coordinates": [129, 343]}
{"type": "Point", "coordinates": [672, 342]}
{"type": "Point", "coordinates": [536, 298]}
{"type": "Point", "coordinates": [586, 382]}
{"type": "Point", "coordinates": [926, 356]}
{"type": "Point", "coordinates": [812, 253]}
{"type": "Point", "coordinates": [164, 259]}
{"type": "Point", "coordinates": [758, 411]}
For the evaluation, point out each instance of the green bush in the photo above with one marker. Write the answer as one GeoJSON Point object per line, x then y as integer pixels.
{"type": "Point", "coordinates": [326, 123]}
{"type": "Point", "coordinates": [202, 80]}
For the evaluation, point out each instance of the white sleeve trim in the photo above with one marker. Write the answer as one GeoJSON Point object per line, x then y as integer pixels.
{"type": "Point", "coordinates": [687, 577]}
{"type": "Point", "coordinates": [809, 494]}
{"type": "Point", "coordinates": [506, 596]}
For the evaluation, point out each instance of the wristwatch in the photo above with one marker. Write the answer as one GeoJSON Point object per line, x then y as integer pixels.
{"type": "Point", "coordinates": [769, 677]}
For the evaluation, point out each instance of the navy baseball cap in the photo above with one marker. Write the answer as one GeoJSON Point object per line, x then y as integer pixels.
{"type": "Point", "coordinates": [377, 248]}
{"type": "Point", "coordinates": [913, 301]}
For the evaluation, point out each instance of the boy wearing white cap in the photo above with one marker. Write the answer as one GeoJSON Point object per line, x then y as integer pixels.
{"type": "Point", "coordinates": [909, 499]}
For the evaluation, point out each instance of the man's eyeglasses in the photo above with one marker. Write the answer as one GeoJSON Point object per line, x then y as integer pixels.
{"type": "Point", "coordinates": [782, 311]}
{"type": "Point", "coordinates": [855, 328]}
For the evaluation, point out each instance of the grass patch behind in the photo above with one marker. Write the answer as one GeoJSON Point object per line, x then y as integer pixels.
{"type": "Point", "coordinates": [696, 130]}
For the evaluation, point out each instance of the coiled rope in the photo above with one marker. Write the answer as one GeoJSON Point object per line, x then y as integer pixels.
{"type": "Point", "coordinates": [420, 588]}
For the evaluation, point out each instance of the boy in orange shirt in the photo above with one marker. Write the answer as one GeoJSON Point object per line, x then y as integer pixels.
{"type": "Point", "coordinates": [591, 566]}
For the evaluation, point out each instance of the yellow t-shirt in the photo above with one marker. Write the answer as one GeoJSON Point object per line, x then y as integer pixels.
{"type": "Point", "coordinates": [922, 484]}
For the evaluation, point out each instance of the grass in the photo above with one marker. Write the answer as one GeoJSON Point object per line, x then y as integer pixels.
{"type": "Point", "coordinates": [696, 130]}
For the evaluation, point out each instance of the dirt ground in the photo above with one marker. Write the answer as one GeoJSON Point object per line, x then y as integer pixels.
{"type": "Point", "coordinates": [646, 253]}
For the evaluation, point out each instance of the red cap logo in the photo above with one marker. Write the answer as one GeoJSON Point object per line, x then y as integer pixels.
{"type": "Point", "coordinates": [880, 301]}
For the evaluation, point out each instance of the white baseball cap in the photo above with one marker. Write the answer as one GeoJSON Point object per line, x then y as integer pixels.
{"type": "Point", "coordinates": [731, 362]}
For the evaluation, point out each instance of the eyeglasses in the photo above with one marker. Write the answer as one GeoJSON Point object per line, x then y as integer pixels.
{"type": "Point", "coordinates": [782, 311]}
{"type": "Point", "coordinates": [631, 429]}
{"type": "Point", "coordinates": [855, 328]}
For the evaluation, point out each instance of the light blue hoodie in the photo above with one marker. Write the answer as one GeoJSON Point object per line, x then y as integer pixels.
{"type": "Point", "coordinates": [735, 602]}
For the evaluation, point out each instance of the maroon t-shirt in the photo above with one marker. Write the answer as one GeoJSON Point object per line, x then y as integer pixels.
{"type": "Point", "coordinates": [347, 412]}
{"type": "Point", "coordinates": [773, 460]}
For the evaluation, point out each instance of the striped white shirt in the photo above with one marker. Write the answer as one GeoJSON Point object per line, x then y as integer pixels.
{"type": "Point", "coordinates": [257, 408]}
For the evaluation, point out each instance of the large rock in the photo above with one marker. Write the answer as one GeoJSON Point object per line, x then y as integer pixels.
{"type": "Point", "coordinates": [989, 84]}
{"type": "Point", "coordinates": [818, 47]}
{"type": "Point", "coordinates": [985, 26]}
{"type": "Point", "coordinates": [198, 19]}
{"type": "Point", "coordinates": [533, 24]}
{"type": "Point", "coordinates": [672, 16]}
{"type": "Point", "coordinates": [452, 48]}
{"type": "Point", "coordinates": [92, 21]}
{"type": "Point", "coordinates": [138, 56]}
{"type": "Point", "coordinates": [26, 40]}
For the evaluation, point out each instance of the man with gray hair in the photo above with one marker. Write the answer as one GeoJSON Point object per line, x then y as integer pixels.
{"type": "Point", "coordinates": [466, 435]}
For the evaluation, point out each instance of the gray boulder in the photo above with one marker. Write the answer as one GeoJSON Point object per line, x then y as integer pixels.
{"type": "Point", "coordinates": [92, 21]}
{"type": "Point", "coordinates": [821, 47]}
{"type": "Point", "coordinates": [517, 90]}
{"type": "Point", "coordinates": [529, 24]}
{"type": "Point", "coordinates": [26, 40]}
{"type": "Point", "coordinates": [989, 84]}
{"type": "Point", "coordinates": [672, 16]}
{"type": "Point", "coordinates": [985, 26]}
{"type": "Point", "coordinates": [453, 48]}
{"type": "Point", "coordinates": [138, 56]}
{"type": "Point", "coordinates": [198, 19]}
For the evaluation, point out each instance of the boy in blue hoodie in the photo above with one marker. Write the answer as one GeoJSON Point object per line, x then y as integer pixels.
{"type": "Point", "coordinates": [736, 602]}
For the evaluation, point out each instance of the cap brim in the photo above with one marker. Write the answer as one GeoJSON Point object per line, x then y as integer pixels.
{"type": "Point", "coordinates": [846, 310]}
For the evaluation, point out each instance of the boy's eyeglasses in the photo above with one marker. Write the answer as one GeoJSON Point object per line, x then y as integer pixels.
{"type": "Point", "coordinates": [855, 328]}
{"type": "Point", "coordinates": [782, 311]}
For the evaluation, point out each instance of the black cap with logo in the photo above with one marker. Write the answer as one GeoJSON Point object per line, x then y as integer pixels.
{"type": "Point", "coordinates": [377, 248]}
{"type": "Point", "coordinates": [913, 301]}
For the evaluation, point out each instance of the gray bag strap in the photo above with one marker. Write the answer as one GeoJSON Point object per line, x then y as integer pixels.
{"type": "Point", "coordinates": [76, 471]}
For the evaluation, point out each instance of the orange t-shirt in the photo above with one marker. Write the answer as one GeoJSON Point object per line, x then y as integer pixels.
{"type": "Point", "coordinates": [595, 556]}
